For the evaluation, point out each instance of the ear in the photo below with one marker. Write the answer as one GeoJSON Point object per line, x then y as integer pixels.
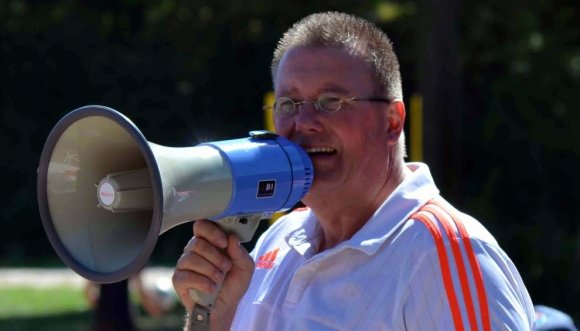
{"type": "Point", "coordinates": [396, 119]}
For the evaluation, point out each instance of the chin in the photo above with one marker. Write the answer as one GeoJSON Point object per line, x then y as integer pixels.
{"type": "Point", "coordinates": [319, 190]}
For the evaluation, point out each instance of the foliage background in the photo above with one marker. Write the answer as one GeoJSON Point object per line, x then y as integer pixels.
{"type": "Point", "coordinates": [500, 81]}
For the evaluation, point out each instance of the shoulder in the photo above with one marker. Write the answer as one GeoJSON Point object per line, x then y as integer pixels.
{"type": "Point", "coordinates": [444, 222]}
{"type": "Point", "coordinates": [467, 266]}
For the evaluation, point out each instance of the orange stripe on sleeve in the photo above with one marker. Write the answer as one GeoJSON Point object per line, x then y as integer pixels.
{"type": "Point", "coordinates": [445, 222]}
{"type": "Point", "coordinates": [475, 269]}
{"type": "Point", "coordinates": [445, 271]}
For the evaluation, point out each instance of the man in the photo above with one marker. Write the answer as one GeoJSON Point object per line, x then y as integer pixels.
{"type": "Point", "coordinates": [377, 248]}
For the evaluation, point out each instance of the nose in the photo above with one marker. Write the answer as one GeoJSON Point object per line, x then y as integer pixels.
{"type": "Point", "coordinates": [307, 118]}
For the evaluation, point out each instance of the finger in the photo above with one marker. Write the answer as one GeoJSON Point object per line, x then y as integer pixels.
{"type": "Point", "coordinates": [183, 281]}
{"type": "Point", "coordinates": [211, 232]}
{"type": "Point", "coordinates": [209, 252]}
{"type": "Point", "coordinates": [197, 264]}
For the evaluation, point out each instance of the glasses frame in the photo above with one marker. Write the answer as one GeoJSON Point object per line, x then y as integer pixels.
{"type": "Point", "coordinates": [317, 104]}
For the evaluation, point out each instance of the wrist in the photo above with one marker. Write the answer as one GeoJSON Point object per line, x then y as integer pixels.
{"type": "Point", "coordinates": [221, 320]}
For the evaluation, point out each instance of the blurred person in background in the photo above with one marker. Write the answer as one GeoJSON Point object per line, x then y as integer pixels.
{"type": "Point", "coordinates": [113, 308]}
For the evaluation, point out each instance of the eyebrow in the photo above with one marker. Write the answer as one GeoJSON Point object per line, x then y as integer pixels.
{"type": "Point", "coordinates": [326, 88]}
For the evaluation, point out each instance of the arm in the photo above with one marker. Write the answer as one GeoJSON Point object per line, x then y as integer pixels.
{"type": "Point", "coordinates": [212, 259]}
{"type": "Point", "coordinates": [427, 303]}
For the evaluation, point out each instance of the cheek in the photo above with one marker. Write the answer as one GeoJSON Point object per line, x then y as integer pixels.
{"type": "Point", "coordinates": [370, 141]}
{"type": "Point", "coordinates": [369, 130]}
{"type": "Point", "coordinates": [283, 126]}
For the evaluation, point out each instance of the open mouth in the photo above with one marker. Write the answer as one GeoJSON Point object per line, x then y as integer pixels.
{"type": "Point", "coordinates": [312, 151]}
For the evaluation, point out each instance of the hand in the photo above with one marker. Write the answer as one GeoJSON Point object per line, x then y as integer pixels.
{"type": "Point", "coordinates": [212, 258]}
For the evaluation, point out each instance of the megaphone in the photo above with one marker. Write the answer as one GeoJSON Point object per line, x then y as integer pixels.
{"type": "Point", "coordinates": [105, 193]}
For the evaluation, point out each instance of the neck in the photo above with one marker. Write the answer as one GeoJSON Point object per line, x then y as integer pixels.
{"type": "Point", "coordinates": [342, 213]}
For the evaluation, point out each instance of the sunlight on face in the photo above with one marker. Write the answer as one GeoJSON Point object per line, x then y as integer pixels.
{"type": "Point", "coordinates": [348, 148]}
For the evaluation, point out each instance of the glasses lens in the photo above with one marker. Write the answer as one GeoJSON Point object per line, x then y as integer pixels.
{"type": "Point", "coordinates": [284, 106]}
{"type": "Point", "coordinates": [330, 102]}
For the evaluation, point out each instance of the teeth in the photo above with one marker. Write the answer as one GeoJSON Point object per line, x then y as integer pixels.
{"type": "Point", "coordinates": [320, 150]}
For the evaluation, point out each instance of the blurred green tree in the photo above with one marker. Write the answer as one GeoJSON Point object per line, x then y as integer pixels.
{"type": "Point", "coordinates": [522, 76]}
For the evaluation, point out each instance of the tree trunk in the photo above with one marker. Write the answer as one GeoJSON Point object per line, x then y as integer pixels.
{"type": "Point", "coordinates": [440, 86]}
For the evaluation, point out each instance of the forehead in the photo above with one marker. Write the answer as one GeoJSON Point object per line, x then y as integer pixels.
{"type": "Point", "coordinates": [305, 70]}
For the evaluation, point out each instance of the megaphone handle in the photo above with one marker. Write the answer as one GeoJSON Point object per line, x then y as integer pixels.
{"type": "Point", "coordinates": [203, 298]}
{"type": "Point", "coordinates": [199, 319]}
{"type": "Point", "coordinates": [199, 316]}
{"type": "Point", "coordinates": [242, 226]}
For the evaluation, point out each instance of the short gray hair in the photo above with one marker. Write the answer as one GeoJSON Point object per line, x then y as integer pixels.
{"type": "Point", "coordinates": [353, 34]}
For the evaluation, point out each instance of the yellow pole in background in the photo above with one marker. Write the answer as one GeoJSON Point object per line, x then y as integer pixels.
{"type": "Point", "coordinates": [268, 114]}
{"type": "Point", "coordinates": [269, 125]}
{"type": "Point", "coordinates": [416, 128]}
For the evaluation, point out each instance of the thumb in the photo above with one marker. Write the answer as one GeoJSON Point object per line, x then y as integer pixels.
{"type": "Point", "coordinates": [240, 274]}
{"type": "Point", "coordinates": [239, 255]}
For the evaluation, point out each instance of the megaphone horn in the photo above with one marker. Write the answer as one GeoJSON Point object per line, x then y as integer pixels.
{"type": "Point", "coordinates": [105, 193]}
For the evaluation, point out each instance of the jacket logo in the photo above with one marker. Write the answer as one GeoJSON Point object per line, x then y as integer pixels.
{"type": "Point", "coordinates": [266, 261]}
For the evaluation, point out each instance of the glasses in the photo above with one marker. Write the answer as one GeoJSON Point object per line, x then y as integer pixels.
{"type": "Point", "coordinates": [327, 102]}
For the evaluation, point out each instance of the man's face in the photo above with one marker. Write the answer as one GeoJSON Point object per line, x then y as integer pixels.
{"type": "Point", "coordinates": [348, 148]}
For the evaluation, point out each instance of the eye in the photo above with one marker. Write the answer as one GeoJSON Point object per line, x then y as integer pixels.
{"type": "Point", "coordinates": [284, 106]}
{"type": "Point", "coordinates": [330, 102]}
